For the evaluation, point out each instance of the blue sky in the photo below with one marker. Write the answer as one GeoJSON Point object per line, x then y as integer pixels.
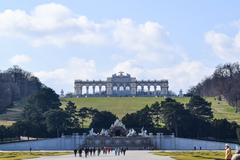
{"type": "Point", "coordinates": [59, 41]}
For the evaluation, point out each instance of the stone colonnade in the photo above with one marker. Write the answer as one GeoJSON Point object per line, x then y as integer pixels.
{"type": "Point", "coordinates": [79, 85]}
{"type": "Point", "coordinates": [105, 88]}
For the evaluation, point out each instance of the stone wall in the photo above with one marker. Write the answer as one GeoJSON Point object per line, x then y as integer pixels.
{"type": "Point", "coordinates": [159, 141]}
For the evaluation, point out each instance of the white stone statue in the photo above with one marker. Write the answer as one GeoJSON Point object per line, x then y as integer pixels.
{"type": "Point", "coordinates": [131, 132]}
{"type": "Point", "coordinates": [92, 133]}
{"type": "Point", "coordinates": [118, 123]}
{"type": "Point", "coordinates": [106, 133]}
{"type": "Point", "coordinates": [143, 132]}
{"type": "Point", "coordinates": [102, 132]}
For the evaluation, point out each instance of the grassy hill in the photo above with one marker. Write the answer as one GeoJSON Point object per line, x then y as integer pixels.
{"type": "Point", "coordinates": [122, 105]}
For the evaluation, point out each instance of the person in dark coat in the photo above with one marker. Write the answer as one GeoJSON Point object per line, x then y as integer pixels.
{"type": "Point", "coordinates": [98, 151]}
{"type": "Point", "coordinates": [80, 152]}
{"type": "Point", "coordinates": [91, 151]}
{"type": "Point", "coordinates": [75, 152]}
{"type": "Point", "coordinates": [94, 151]}
{"type": "Point", "coordinates": [86, 150]}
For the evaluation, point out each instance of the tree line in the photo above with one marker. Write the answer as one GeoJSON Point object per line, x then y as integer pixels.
{"type": "Point", "coordinates": [224, 82]}
{"type": "Point", "coordinates": [193, 120]}
{"type": "Point", "coordinates": [16, 84]}
{"type": "Point", "coordinates": [44, 117]}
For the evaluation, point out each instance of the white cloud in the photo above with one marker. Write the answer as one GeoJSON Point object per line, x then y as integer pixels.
{"type": "Point", "coordinates": [20, 59]}
{"type": "Point", "coordinates": [150, 41]}
{"type": "Point", "coordinates": [183, 75]}
{"type": "Point", "coordinates": [49, 24]}
{"type": "Point", "coordinates": [129, 66]}
{"type": "Point", "coordinates": [224, 46]}
{"type": "Point", "coordinates": [63, 78]}
{"type": "Point", "coordinates": [180, 76]}
{"type": "Point", "coordinates": [55, 24]}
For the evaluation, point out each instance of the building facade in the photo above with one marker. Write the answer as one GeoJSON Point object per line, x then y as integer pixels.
{"type": "Point", "coordinates": [121, 85]}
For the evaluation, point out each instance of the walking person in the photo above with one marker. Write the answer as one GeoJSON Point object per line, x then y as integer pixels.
{"type": "Point", "coordinates": [94, 151]}
{"type": "Point", "coordinates": [98, 151]}
{"type": "Point", "coordinates": [228, 152]}
{"type": "Point", "coordinates": [86, 152]}
{"type": "Point", "coordinates": [115, 150]}
{"type": "Point", "coordinates": [91, 151]}
{"type": "Point", "coordinates": [75, 152]}
{"type": "Point", "coordinates": [124, 150]}
{"type": "Point", "coordinates": [80, 152]}
{"type": "Point", "coordinates": [118, 151]}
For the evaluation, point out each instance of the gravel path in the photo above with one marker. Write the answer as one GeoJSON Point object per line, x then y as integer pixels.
{"type": "Point", "coordinates": [130, 155]}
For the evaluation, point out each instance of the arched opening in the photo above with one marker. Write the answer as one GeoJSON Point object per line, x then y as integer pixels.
{"type": "Point", "coordinates": [84, 90]}
{"type": "Point", "coordinates": [96, 89]}
{"type": "Point", "coordinates": [145, 88]}
{"type": "Point", "coordinates": [103, 88]}
{"type": "Point", "coordinates": [115, 88]}
{"type": "Point", "coordinates": [151, 88]}
{"type": "Point", "coordinates": [90, 90]}
{"type": "Point", "coordinates": [139, 88]}
{"type": "Point", "coordinates": [121, 88]}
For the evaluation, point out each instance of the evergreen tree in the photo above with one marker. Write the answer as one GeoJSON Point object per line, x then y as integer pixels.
{"type": "Point", "coordinates": [71, 110]}
{"type": "Point", "coordinates": [33, 114]}
{"type": "Point", "coordinates": [102, 119]}
{"type": "Point", "coordinates": [56, 121]}
{"type": "Point", "coordinates": [139, 119]}
{"type": "Point", "coordinates": [199, 107]}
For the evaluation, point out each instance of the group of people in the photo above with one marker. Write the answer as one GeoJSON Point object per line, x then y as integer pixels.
{"type": "Point", "coordinates": [93, 151]}
{"type": "Point", "coordinates": [228, 154]}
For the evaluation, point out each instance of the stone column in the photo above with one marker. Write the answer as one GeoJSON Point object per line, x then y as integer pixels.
{"type": "Point", "coordinates": [142, 88]}
{"type": "Point", "coordinates": [100, 89]}
{"type": "Point", "coordinates": [80, 90]}
{"type": "Point", "coordinates": [109, 89]}
{"type": "Point", "coordinates": [164, 90]}
{"type": "Point", "coordinates": [93, 89]}
{"type": "Point", "coordinates": [133, 89]}
{"type": "Point", "coordinates": [155, 90]}
{"type": "Point", "coordinates": [87, 90]}
{"type": "Point", "coordinates": [148, 90]}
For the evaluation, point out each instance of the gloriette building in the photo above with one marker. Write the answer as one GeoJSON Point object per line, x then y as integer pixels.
{"type": "Point", "coordinates": [121, 85]}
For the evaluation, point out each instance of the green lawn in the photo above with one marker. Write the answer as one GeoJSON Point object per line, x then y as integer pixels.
{"type": "Point", "coordinates": [198, 155]}
{"type": "Point", "coordinates": [117, 105]}
{"type": "Point", "coordinates": [27, 155]}
{"type": "Point", "coordinates": [222, 109]}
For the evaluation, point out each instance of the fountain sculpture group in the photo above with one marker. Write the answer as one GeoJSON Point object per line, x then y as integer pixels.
{"type": "Point", "coordinates": [118, 136]}
{"type": "Point", "coordinates": [118, 129]}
